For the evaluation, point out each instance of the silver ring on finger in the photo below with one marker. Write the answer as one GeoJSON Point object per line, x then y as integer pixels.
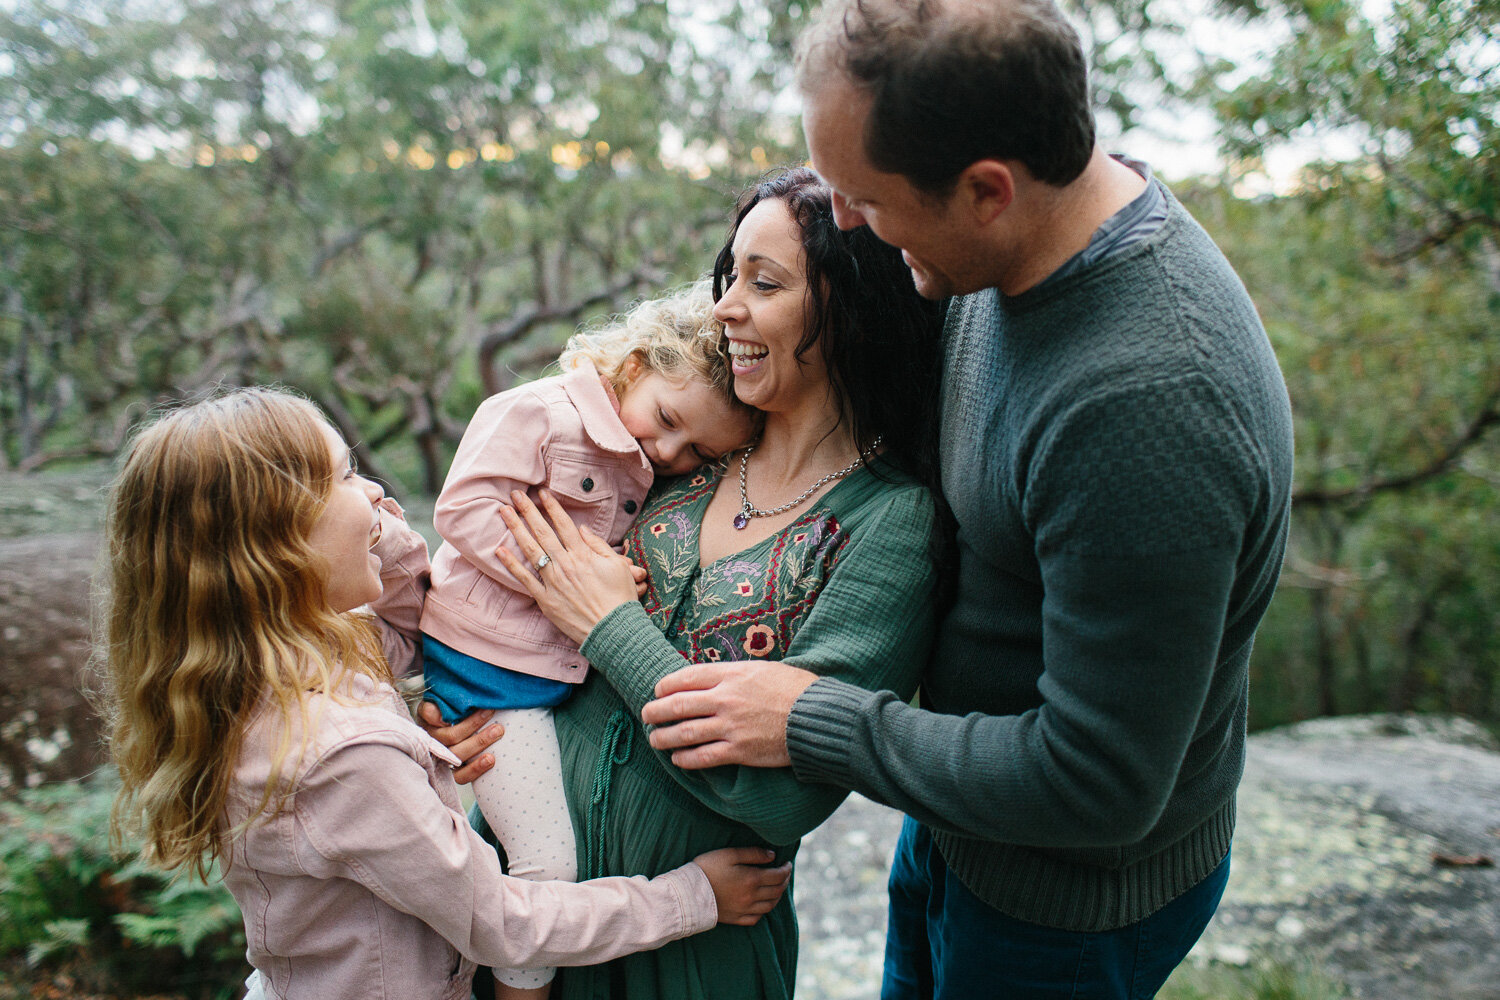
{"type": "Point", "coordinates": [542, 563]}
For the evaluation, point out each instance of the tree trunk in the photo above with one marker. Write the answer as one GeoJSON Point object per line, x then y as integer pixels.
{"type": "Point", "coordinates": [1408, 686]}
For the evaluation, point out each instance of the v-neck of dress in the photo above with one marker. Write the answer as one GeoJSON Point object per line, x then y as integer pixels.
{"type": "Point", "coordinates": [696, 521]}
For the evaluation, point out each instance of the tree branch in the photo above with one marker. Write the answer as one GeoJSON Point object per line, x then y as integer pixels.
{"type": "Point", "coordinates": [502, 334]}
{"type": "Point", "coordinates": [331, 251]}
{"type": "Point", "coordinates": [1487, 417]}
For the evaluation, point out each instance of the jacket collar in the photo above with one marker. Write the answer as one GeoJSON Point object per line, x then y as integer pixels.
{"type": "Point", "coordinates": [599, 410]}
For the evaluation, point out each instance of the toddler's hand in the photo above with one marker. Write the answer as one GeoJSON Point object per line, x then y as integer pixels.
{"type": "Point", "coordinates": [639, 572]}
{"type": "Point", "coordinates": [743, 889]}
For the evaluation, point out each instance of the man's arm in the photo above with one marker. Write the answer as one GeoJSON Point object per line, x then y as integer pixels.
{"type": "Point", "coordinates": [1093, 765]}
{"type": "Point", "coordinates": [1137, 575]}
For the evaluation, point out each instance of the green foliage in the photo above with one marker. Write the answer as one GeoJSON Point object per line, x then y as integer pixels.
{"type": "Point", "coordinates": [1414, 88]}
{"type": "Point", "coordinates": [1379, 282]}
{"type": "Point", "coordinates": [375, 201]}
{"type": "Point", "coordinates": [67, 903]}
{"type": "Point", "coordinates": [1389, 593]}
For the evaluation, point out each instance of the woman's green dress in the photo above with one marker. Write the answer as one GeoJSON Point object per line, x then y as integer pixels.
{"type": "Point", "coordinates": [845, 591]}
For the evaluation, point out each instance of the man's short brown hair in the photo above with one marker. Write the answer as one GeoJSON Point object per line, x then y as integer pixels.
{"type": "Point", "coordinates": [957, 81]}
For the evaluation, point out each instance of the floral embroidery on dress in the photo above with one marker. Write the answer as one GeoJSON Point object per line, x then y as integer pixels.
{"type": "Point", "coordinates": [664, 540]}
{"type": "Point", "coordinates": [747, 605]}
{"type": "Point", "coordinates": [759, 640]}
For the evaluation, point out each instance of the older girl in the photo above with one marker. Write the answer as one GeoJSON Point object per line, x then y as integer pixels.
{"type": "Point", "coordinates": [254, 723]}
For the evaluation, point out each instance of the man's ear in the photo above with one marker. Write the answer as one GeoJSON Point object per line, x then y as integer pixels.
{"type": "Point", "coordinates": [988, 187]}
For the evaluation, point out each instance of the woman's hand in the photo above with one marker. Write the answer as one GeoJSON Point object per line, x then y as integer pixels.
{"type": "Point", "coordinates": [744, 890]}
{"type": "Point", "coordinates": [468, 739]}
{"type": "Point", "coordinates": [582, 578]}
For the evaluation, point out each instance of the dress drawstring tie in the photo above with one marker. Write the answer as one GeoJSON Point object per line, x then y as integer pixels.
{"type": "Point", "coordinates": [614, 750]}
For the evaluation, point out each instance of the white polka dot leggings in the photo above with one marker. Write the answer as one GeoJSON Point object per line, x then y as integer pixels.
{"type": "Point", "coordinates": [522, 800]}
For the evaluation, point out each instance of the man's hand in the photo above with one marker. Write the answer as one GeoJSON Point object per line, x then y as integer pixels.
{"type": "Point", "coordinates": [467, 738]}
{"type": "Point", "coordinates": [710, 714]}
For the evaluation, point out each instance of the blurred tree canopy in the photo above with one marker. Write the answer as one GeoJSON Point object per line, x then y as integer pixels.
{"type": "Point", "coordinates": [380, 202]}
{"type": "Point", "coordinates": [389, 204]}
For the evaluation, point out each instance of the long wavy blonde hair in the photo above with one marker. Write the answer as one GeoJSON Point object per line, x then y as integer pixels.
{"type": "Point", "coordinates": [216, 601]}
{"type": "Point", "coordinates": [674, 335]}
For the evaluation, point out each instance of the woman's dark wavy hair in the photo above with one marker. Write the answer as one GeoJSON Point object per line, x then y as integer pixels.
{"type": "Point", "coordinates": [879, 339]}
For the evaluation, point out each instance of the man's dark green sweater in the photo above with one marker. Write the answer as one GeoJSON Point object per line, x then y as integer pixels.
{"type": "Point", "coordinates": [1117, 450]}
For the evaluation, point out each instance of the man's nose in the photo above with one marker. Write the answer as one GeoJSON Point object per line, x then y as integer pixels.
{"type": "Point", "coordinates": [843, 216]}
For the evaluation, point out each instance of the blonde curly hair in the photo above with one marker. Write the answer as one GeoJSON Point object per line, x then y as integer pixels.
{"type": "Point", "coordinates": [674, 335]}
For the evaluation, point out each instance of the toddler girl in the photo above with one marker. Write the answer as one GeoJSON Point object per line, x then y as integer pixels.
{"type": "Point", "coordinates": [253, 722]}
{"type": "Point", "coordinates": [646, 395]}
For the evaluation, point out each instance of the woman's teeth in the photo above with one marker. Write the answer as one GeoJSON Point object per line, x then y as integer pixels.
{"type": "Point", "coordinates": [747, 355]}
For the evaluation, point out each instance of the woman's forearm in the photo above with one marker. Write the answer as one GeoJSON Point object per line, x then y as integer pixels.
{"type": "Point", "coordinates": [632, 654]}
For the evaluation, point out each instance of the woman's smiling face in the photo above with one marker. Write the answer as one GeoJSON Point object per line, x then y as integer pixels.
{"type": "Point", "coordinates": [765, 312]}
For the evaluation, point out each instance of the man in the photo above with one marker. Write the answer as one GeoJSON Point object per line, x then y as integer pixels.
{"type": "Point", "coordinates": [1117, 451]}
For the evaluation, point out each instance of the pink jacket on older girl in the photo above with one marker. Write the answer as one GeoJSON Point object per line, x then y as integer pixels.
{"type": "Point", "coordinates": [340, 890]}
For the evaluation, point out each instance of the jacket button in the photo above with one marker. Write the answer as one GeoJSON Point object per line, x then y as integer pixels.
{"type": "Point", "coordinates": [630, 506]}
{"type": "Point", "coordinates": [587, 484]}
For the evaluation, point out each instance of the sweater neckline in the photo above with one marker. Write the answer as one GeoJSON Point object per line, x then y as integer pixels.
{"type": "Point", "coordinates": [1043, 293]}
{"type": "Point", "coordinates": [833, 501]}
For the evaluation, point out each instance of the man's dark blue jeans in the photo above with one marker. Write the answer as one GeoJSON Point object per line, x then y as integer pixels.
{"type": "Point", "coordinates": [944, 943]}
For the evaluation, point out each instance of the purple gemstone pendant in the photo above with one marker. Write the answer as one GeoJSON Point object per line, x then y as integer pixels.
{"type": "Point", "coordinates": [740, 520]}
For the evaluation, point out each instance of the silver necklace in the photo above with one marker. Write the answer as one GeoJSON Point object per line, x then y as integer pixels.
{"type": "Point", "coordinates": [747, 511]}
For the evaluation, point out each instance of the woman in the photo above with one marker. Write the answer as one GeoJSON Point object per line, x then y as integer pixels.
{"type": "Point", "coordinates": [815, 546]}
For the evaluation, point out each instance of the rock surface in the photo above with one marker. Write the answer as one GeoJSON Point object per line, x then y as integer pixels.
{"type": "Point", "coordinates": [48, 732]}
{"type": "Point", "coordinates": [50, 545]}
{"type": "Point", "coordinates": [1344, 825]}
{"type": "Point", "coordinates": [1333, 865]}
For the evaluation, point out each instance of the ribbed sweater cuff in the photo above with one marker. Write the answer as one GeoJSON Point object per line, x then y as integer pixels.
{"type": "Point", "coordinates": [818, 731]}
{"type": "Point", "coordinates": [615, 648]}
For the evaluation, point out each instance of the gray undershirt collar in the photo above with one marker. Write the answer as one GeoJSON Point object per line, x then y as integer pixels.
{"type": "Point", "coordinates": [1135, 222]}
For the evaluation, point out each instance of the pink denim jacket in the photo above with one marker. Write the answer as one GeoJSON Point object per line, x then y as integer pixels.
{"type": "Point", "coordinates": [562, 433]}
{"type": "Point", "coordinates": [370, 883]}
